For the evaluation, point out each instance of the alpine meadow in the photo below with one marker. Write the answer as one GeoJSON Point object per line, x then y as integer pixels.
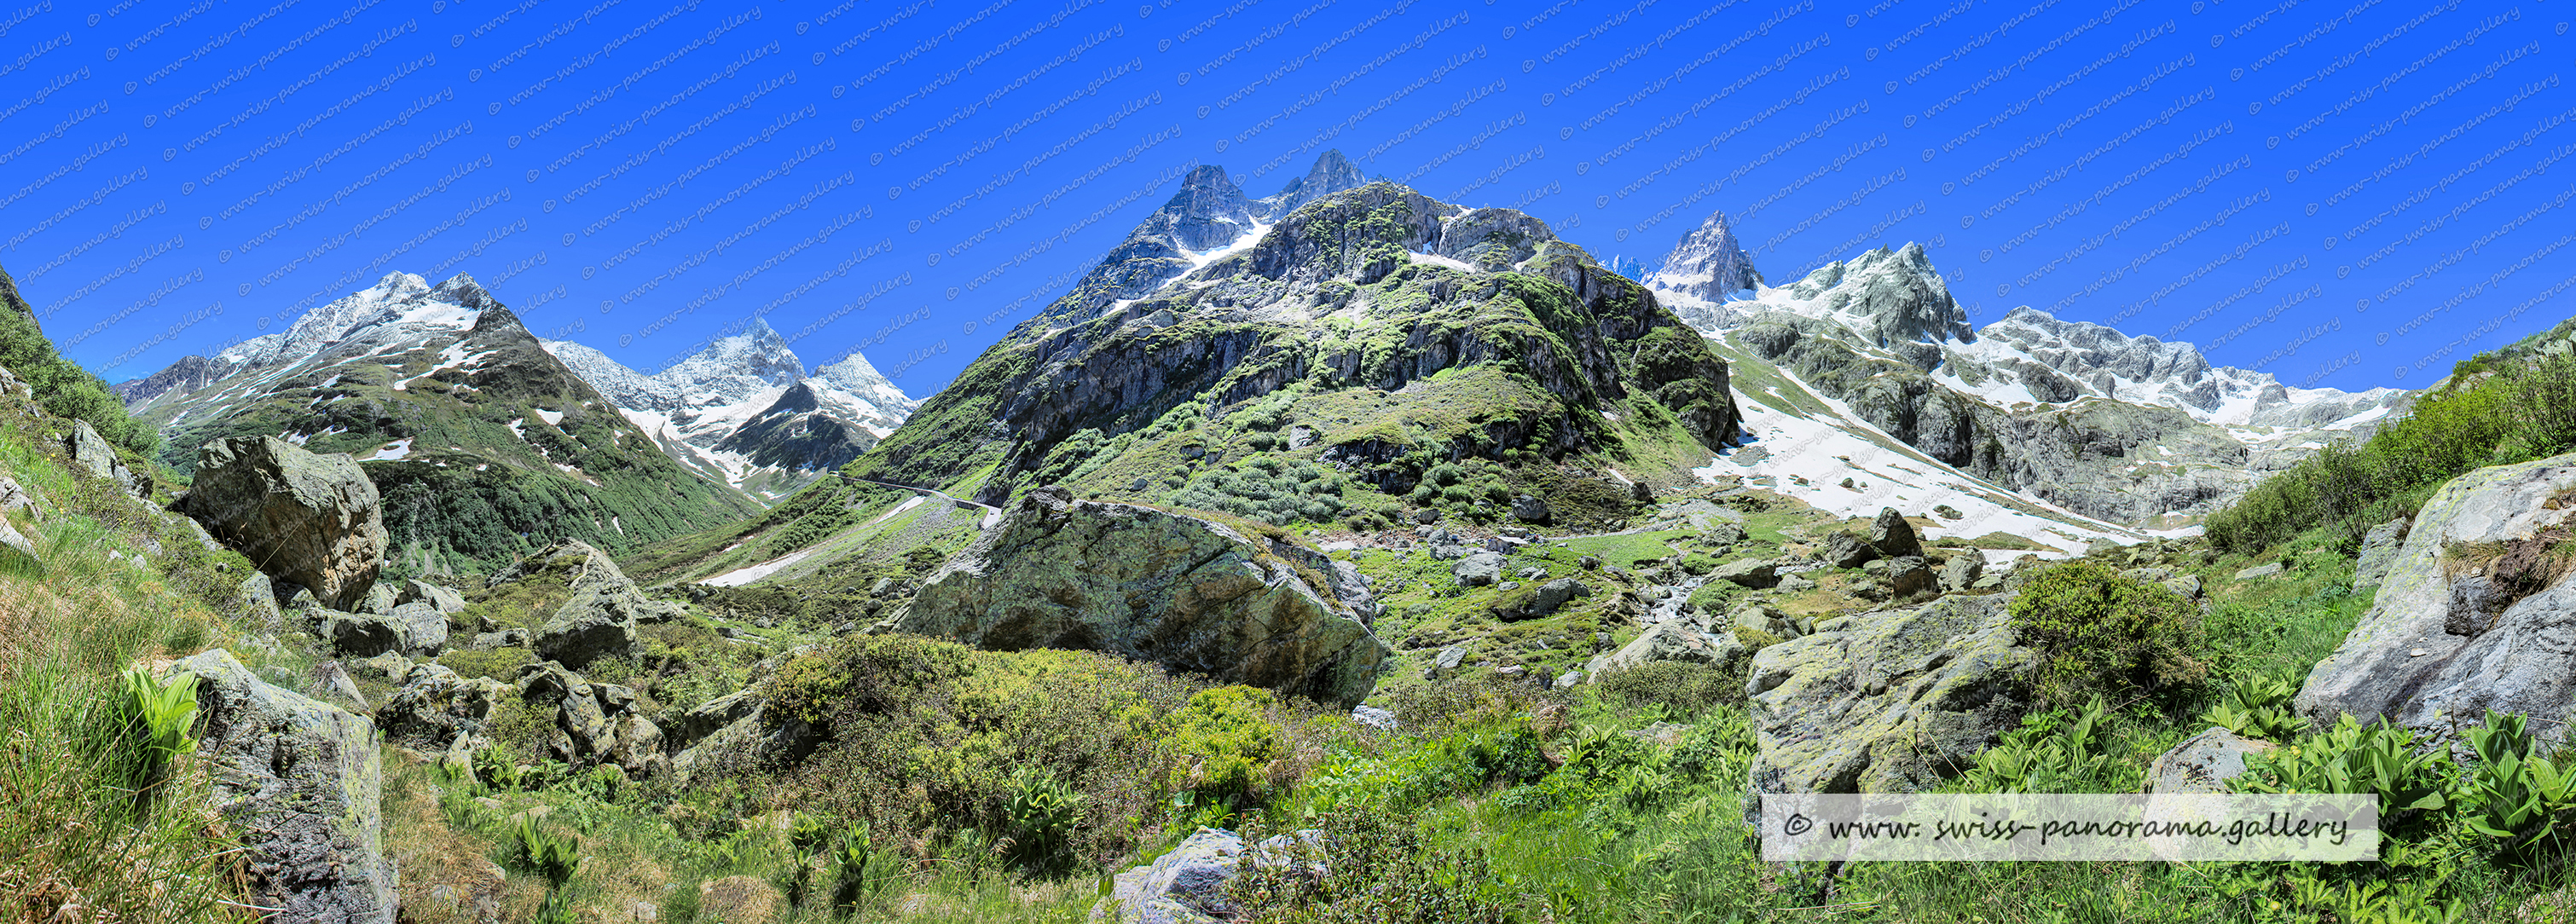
{"type": "Point", "coordinates": [1286, 462]}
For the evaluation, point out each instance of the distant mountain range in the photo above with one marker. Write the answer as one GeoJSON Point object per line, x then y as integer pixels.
{"type": "Point", "coordinates": [1868, 370]}
{"type": "Point", "coordinates": [743, 411]}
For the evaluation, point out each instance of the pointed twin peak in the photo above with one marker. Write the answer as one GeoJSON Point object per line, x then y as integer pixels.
{"type": "Point", "coordinates": [1211, 210]}
{"type": "Point", "coordinates": [1332, 173]}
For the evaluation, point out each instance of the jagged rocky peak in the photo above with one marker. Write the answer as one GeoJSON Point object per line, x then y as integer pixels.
{"type": "Point", "coordinates": [1209, 212]}
{"type": "Point", "coordinates": [1708, 266]}
{"type": "Point", "coordinates": [188, 374]}
{"type": "Point", "coordinates": [1332, 173]}
{"type": "Point", "coordinates": [1891, 299]}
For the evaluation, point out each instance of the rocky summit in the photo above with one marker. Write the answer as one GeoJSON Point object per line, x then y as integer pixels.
{"type": "Point", "coordinates": [1371, 331]}
{"type": "Point", "coordinates": [472, 433]}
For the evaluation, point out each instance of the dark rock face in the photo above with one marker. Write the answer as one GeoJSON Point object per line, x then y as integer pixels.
{"type": "Point", "coordinates": [1331, 173]}
{"type": "Point", "coordinates": [1179, 591]}
{"type": "Point", "coordinates": [796, 433]}
{"type": "Point", "coordinates": [1845, 550]}
{"type": "Point", "coordinates": [300, 780]}
{"type": "Point", "coordinates": [1892, 535]}
{"type": "Point", "coordinates": [313, 520]}
{"type": "Point", "coordinates": [434, 709]}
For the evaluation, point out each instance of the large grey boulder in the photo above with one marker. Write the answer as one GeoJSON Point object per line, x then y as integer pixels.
{"type": "Point", "coordinates": [300, 781]}
{"type": "Point", "coordinates": [424, 628]}
{"type": "Point", "coordinates": [255, 604]}
{"type": "Point", "coordinates": [359, 635]}
{"type": "Point", "coordinates": [598, 619]}
{"type": "Point", "coordinates": [1845, 550]}
{"type": "Point", "coordinates": [11, 538]}
{"type": "Point", "coordinates": [1672, 640]}
{"type": "Point", "coordinates": [735, 733]}
{"type": "Point", "coordinates": [1478, 569]}
{"type": "Point", "coordinates": [2470, 617]}
{"type": "Point", "coordinates": [442, 599]}
{"type": "Point", "coordinates": [1892, 535]}
{"type": "Point", "coordinates": [92, 453]}
{"type": "Point", "coordinates": [1893, 701]}
{"type": "Point", "coordinates": [1755, 574]}
{"type": "Point", "coordinates": [1530, 509]}
{"type": "Point", "coordinates": [1179, 591]}
{"type": "Point", "coordinates": [2203, 763]}
{"type": "Point", "coordinates": [314, 520]}
{"type": "Point", "coordinates": [1188, 885]}
{"type": "Point", "coordinates": [435, 708]}
{"type": "Point", "coordinates": [2379, 550]}
{"type": "Point", "coordinates": [1963, 569]}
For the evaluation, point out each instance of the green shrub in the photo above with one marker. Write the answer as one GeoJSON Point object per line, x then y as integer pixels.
{"type": "Point", "coordinates": [2099, 631]}
{"type": "Point", "coordinates": [2258, 707]}
{"type": "Point", "coordinates": [1680, 686]}
{"type": "Point", "coordinates": [2515, 796]}
{"type": "Point", "coordinates": [1225, 741]}
{"type": "Point", "coordinates": [546, 854]}
{"type": "Point", "coordinates": [2352, 758]}
{"type": "Point", "coordinates": [1370, 868]}
{"type": "Point", "coordinates": [1042, 813]}
{"type": "Point", "coordinates": [66, 390]}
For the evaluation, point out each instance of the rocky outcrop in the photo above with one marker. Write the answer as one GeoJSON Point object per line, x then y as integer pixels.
{"type": "Point", "coordinates": [314, 520]}
{"type": "Point", "coordinates": [1892, 535]}
{"type": "Point", "coordinates": [591, 723]}
{"type": "Point", "coordinates": [434, 710]}
{"type": "Point", "coordinates": [1887, 701]}
{"type": "Point", "coordinates": [442, 599]}
{"type": "Point", "coordinates": [738, 732]}
{"type": "Point", "coordinates": [1183, 592]}
{"type": "Point", "coordinates": [601, 609]}
{"type": "Point", "coordinates": [2474, 613]}
{"type": "Point", "coordinates": [300, 781]}
{"type": "Point", "coordinates": [92, 453]}
{"type": "Point", "coordinates": [1672, 640]}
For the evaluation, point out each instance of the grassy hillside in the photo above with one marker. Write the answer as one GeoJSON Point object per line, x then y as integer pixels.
{"type": "Point", "coordinates": [95, 821]}
{"type": "Point", "coordinates": [476, 465]}
{"type": "Point", "coordinates": [2514, 405]}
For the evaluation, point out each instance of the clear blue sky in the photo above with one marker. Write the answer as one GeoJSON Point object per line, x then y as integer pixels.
{"type": "Point", "coordinates": [2340, 192]}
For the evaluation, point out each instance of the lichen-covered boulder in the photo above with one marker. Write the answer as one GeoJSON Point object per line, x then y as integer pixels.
{"type": "Point", "coordinates": [92, 453]}
{"type": "Point", "coordinates": [1754, 573]}
{"type": "Point", "coordinates": [300, 781]}
{"type": "Point", "coordinates": [2203, 763]}
{"type": "Point", "coordinates": [1186, 593]}
{"type": "Point", "coordinates": [1529, 508]}
{"type": "Point", "coordinates": [1963, 570]}
{"type": "Point", "coordinates": [434, 709]}
{"type": "Point", "coordinates": [1673, 640]}
{"type": "Point", "coordinates": [314, 520]}
{"type": "Point", "coordinates": [2379, 550]}
{"type": "Point", "coordinates": [1895, 700]}
{"type": "Point", "coordinates": [2473, 614]}
{"type": "Point", "coordinates": [442, 599]}
{"type": "Point", "coordinates": [1187, 885]}
{"type": "Point", "coordinates": [598, 617]}
{"type": "Point", "coordinates": [1478, 569]}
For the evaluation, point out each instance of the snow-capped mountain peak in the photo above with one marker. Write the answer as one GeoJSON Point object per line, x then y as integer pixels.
{"type": "Point", "coordinates": [1704, 272]}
